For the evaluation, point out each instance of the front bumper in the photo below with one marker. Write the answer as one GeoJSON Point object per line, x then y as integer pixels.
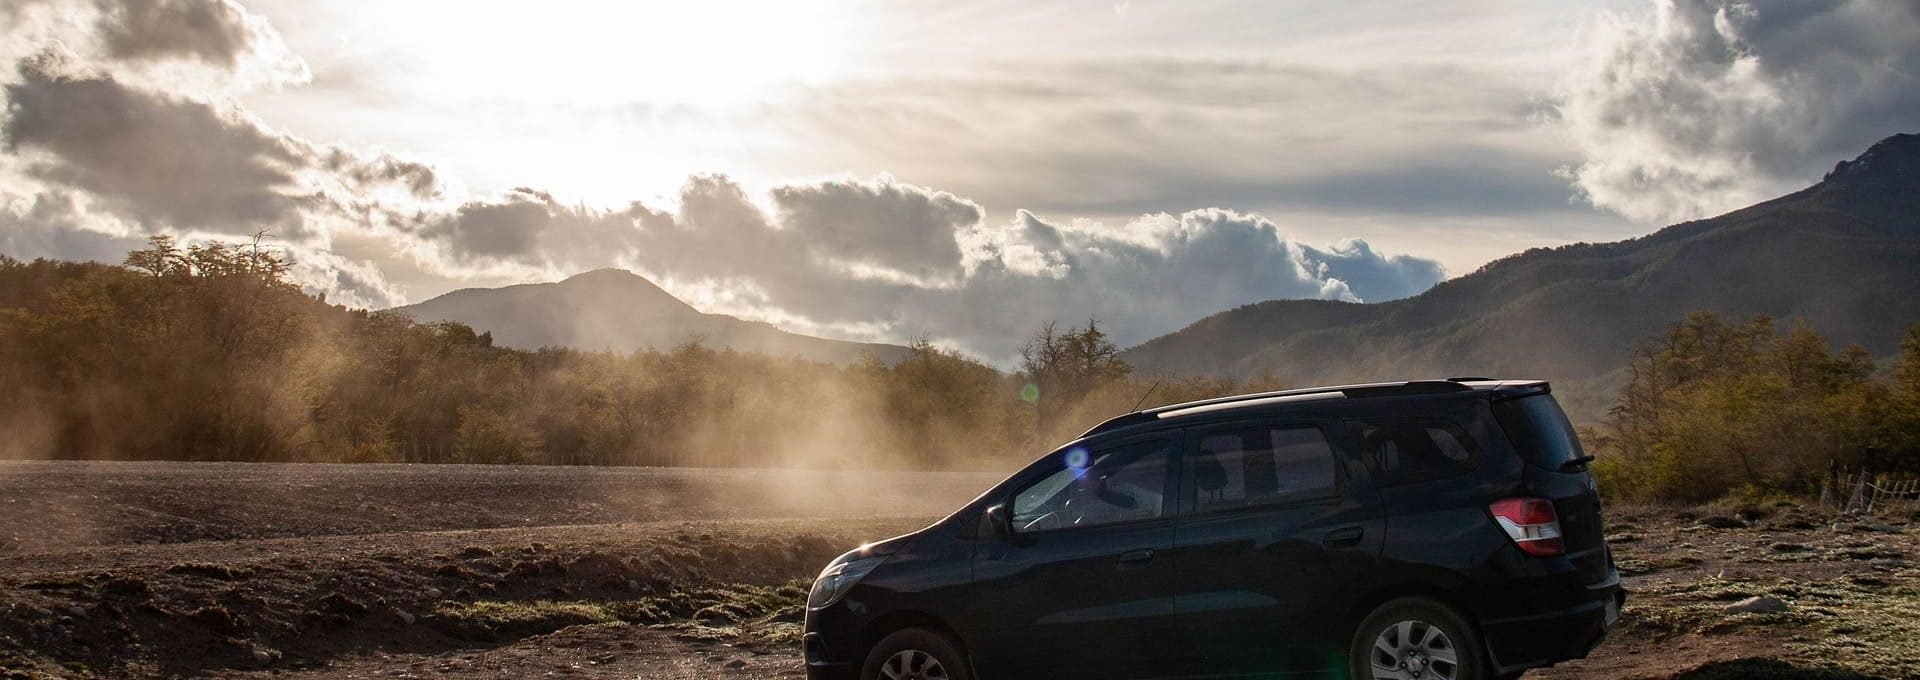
{"type": "Point", "coordinates": [819, 665]}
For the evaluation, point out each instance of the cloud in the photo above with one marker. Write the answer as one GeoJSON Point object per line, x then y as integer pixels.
{"type": "Point", "coordinates": [211, 30]}
{"type": "Point", "coordinates": [52, 225]}
{"type": "Point", "coordinates": [1369, 275]}
{"type": "Point", "coordinates": [881, 224]}
{"type": "Point", "coordinates": [154, 158]}
{"type": "Point", "coordinates": [99, 154]}
{"type": "Point", "coordinates": [1139, 134]}
{"type": "Point", "coordinates": [931, 267]}
{"type": "Point", "coordinates": [192, 44]}
{"type": "Point", "coordinates": [1710, 105]}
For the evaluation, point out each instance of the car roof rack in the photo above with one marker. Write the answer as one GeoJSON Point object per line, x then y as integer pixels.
{"type": "Point", "coordinates": [1364, 390]}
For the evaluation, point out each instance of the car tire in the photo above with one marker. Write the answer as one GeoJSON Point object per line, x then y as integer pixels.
{"type": "Point", "coordinates": [916, 654]}
{"type": "Point", "coordinates": [1416, 638]}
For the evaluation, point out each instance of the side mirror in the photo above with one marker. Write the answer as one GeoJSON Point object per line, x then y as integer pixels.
{"type": "Point", "coordinates": [999, 523]}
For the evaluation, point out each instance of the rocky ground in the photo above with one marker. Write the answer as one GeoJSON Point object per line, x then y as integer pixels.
{"type": "Point", "coordinates": [243, 571]}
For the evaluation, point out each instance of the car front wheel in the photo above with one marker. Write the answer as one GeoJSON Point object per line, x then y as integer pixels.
{"type": "Point", "coordinates": [916, 654]}
{"type": "Point", "coordinates": [1416, 638]}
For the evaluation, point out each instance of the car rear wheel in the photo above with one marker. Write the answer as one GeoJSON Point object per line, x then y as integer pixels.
{"type": "Point", "coordinates": [1416, 638]}
{"type": "Point", "coordinates": [916, 654]}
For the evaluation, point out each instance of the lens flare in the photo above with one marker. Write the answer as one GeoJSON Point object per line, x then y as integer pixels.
{"type": "Point", "coordinates": [1030, 393]}
{"type": "Point", "coordinates": [1077, 461]}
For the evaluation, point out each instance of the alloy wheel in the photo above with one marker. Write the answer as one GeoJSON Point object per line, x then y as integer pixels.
{"type": "Point", "coordinates": [1414, 650]}
{"type": "Point", "coordinates": [913, 664]}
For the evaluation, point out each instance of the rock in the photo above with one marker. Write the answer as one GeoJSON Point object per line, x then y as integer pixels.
{"type": "Point", "coordinates": [1842, 527]}
{"type": "Point", "coordinates": [1884, 528]}
{"type": "Point", "coordinates": [433, 593]}
{"type": "Point", "coordinates": [77, 611]}
{"type": "Point", "coordinates": [1723, 522]}
{"type": "Point", "coordinates": [262, 656]}
{"type": "Point", "coordinates": [1758, 604]}
{"type": "Point", "coordinates": [737, 664]}
{"type": "Point", "coordinates": [1790, 547]}
{"type": "Point", "coordinates": [405, 617]}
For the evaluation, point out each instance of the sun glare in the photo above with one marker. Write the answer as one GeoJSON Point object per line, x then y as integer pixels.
{"type": "Point", "coordinates": [712, 54]}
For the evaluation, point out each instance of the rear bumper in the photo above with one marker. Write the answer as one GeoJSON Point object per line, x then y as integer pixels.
{"type": "Point", "coordinates": [1562, 635]}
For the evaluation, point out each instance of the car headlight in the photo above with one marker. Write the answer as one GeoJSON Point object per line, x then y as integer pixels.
{"type": "Point", "coordinates": [838, 578]}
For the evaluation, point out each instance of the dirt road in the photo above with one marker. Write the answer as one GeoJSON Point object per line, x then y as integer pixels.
{"type": "Point", "coordinates": [307, 571]}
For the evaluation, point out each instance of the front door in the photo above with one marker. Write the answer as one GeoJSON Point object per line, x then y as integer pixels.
{"type": "Point", "coordinates": [1083, 586]}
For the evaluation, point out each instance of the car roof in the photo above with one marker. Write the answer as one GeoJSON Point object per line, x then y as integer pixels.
{"type": "Point", "coordinates": [1315, 396]}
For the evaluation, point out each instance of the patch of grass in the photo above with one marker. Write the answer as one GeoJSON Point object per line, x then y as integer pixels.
{"type": "Point", "coordinates": [1700, 607]}
{"type": "Point", "coordinates": [1874, 627]}
{"type": "Point", "coordinates": [492, 620]}
{"type": "Point", "coordinates": [729, 604]}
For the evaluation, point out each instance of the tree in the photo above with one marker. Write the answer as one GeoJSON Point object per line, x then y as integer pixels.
{"type": "Point", "coordinates": [1712, 406]}
{"type": "Point", "coordinates": [1065, 367]}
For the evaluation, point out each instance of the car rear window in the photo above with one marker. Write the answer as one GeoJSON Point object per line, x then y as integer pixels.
{"type": "Point", "coordinates": [1540, 430]}
{"type": "Point", "coordinates": [1411, 450]}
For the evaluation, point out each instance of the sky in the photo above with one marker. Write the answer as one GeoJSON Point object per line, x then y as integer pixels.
{"type": "Point", "coordinates": [904, 169]}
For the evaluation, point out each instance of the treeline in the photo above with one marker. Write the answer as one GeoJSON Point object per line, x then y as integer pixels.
{"type": "Point", "coordinates": [1715, 406]}
{"type": "Point", "coordinates": [210, 352]}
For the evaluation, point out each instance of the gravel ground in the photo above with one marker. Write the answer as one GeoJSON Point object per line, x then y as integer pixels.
{"type": "Point", "coordinates": [317, 571]}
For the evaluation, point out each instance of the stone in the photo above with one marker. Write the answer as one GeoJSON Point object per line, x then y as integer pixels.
{"type": "Point", "coordinates": [1758, 604]}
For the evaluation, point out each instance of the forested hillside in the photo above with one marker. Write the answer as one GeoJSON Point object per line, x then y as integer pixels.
{"type": "Point", "coordinates": [208, 352]}
{"type": "Point", "coordinates": [1840, 255]}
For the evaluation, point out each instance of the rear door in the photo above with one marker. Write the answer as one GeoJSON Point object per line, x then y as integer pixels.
{"type": "Point", "coordinates": [1083, 588]}
{"type": "Point", "coordinates": [1278, 536]}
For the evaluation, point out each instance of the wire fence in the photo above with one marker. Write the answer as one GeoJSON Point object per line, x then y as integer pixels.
{"type": "Point", "coordinates": [1869, 493]}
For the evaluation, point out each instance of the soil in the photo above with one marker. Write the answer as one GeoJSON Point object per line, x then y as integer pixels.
{"type": "Point", "coordinates": [157, 570]}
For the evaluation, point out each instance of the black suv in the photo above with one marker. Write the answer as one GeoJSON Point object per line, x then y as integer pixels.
{"type": "Point", "coordinates": [1429, 529]}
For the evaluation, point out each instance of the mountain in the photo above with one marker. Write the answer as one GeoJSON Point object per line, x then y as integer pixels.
{"type": "Point", "coordinates": [611, 309]}
{"type": "Point", "coordinates": [1843, 254]}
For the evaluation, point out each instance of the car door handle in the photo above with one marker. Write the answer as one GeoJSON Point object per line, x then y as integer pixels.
{"type": "Point", "coordinates": [1136, 558]}
{"type": "Point", "coordinates": [1344, 538]}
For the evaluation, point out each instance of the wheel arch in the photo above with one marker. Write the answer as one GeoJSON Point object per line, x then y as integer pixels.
{"type": "Point", "coordinates": [1379, 596]}
{"type": "Point", "coordinates": [892, 622]}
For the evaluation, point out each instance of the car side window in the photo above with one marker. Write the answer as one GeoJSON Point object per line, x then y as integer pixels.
{"type": "Point", "coordinates": [1097, 487]}
{"type": "Point", "coordinates": [1260, 464]}
{"type": "Point", "coordinates": [1413, 450]}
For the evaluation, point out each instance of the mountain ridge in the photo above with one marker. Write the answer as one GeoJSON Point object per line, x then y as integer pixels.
{"type": "Point", "coordinates": [1839, 254]}
{"type": "Point", "coordinates": [620, 311]}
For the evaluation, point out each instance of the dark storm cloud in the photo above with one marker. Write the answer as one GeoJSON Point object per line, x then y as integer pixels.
{"type": "Point", "coordinates": [152, 157]}
{"type": "Point", "coordinates": [213, 31]}
{"type": "Point", "coordinates": [1710, 105]}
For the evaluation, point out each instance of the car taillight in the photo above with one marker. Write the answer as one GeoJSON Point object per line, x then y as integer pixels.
{"type": "Point", "coordinates": [1531, 523]}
